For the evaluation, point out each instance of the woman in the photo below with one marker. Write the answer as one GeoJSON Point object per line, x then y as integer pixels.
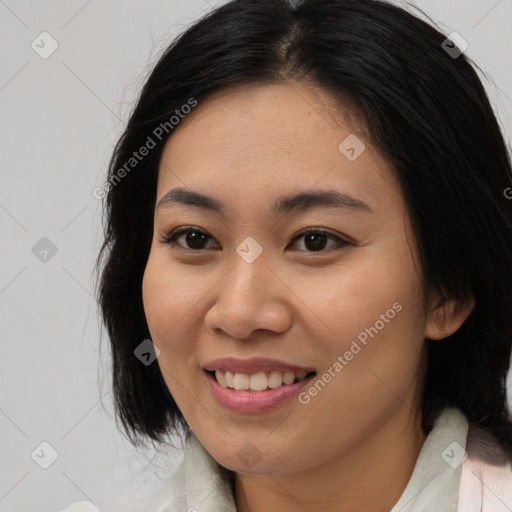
{"type": "Point", "coordinates": [354, 374]}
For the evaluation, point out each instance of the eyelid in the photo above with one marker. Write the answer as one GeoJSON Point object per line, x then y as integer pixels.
{"type": "Point", "coordinates": [322, 231]}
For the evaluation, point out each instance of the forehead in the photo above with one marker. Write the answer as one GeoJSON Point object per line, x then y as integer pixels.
{"type": "Point", "coordinates": [268, 139]}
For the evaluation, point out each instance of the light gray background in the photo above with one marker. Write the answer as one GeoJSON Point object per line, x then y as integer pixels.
{"type": "Point", "coordinates": [60, 118]}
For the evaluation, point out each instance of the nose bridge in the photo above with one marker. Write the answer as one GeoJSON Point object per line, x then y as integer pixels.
{"type": "Point", "coordinates": [249, 275]}
{"type": "Point", "coordinates": [250, 298]}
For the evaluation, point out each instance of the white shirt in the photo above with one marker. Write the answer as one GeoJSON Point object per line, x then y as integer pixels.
{"type": "Point", "coordinates": [437, 484]}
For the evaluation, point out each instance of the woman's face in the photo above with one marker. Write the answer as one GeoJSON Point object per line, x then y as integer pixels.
{"type": "Point", "coordinates": [246, 292]}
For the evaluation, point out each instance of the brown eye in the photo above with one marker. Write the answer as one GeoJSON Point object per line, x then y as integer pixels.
{"type": "Point", "coordinates": [195, 239]}
{"type": "Point", "coordinates": [315, 240]}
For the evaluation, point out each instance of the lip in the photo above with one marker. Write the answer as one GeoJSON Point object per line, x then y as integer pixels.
{"type": "Point", "coordinates": [254, 365]}
{"type": "Point", "coordinates": [254, 402]}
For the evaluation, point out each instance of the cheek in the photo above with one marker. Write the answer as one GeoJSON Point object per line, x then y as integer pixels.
{"type": "Point", "coordinates": [374, 359]}
{"type": "Point", "coordinates": [369, 290]}
{"type": "Point", "coordinates": [372, 329]}
{"type": "Point", "coordinates": [165, 303]}
{"type": "Point", "coordinates": [159, 306]}
{"type": "Point", "coordinates": [163, 306]}
{"type": "Point", "coordinates": [171, 296]}
{"type": "Point", "coordinates": [173, 301]}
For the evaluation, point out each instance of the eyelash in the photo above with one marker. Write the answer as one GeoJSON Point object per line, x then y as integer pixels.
{"type": "Point", "coordinates": [171, 238]}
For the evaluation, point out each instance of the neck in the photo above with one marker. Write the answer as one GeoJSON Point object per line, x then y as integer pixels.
{"type": "Point", "coordinates": [369, 476]}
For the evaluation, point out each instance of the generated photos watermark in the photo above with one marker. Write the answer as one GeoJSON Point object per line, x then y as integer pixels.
{"type": "Point", "coordinates": [156, 136]}
{"type": "Point", "coordinates": [344, 359]}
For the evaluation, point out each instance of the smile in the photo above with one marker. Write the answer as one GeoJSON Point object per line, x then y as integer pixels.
{"type": "Point", "coordinates": [255, 385]}
{"type": "Point", "coordinates": [260, 381]}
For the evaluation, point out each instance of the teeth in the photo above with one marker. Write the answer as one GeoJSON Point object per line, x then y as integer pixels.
{"type": "Point", "coordinates": [257, 381]}
{"type": "Point", "coordinates": [241, 381]}
{"type": "Point", "coordinates": [275, 379]}
{"type": "Point", "coordinates": [221, 378]}
{"type": "Point", "coordinates": [288, 378]}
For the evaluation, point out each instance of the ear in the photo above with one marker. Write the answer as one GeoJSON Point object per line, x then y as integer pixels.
{"type": "Point", "coordinates": [447, 315]}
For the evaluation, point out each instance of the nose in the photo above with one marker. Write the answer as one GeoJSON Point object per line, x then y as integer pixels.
{"type": "Point", "coordinates": [251, 297]}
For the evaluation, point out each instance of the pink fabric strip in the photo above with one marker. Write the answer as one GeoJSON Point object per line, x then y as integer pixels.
{"type": "Point", "coordinates": [485, 487]}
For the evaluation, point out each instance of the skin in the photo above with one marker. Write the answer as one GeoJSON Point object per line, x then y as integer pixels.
{"type": "Point", "coordinates": [355, 444]}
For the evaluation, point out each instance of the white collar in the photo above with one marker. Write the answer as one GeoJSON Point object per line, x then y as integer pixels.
{"type": "Point", "coordinates": [199, 484]}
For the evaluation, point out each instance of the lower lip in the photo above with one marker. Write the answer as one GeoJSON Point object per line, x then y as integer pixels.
{"type": "Point", "coordinates": [254, 401]}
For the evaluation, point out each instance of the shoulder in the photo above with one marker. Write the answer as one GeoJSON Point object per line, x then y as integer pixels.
{"type": "Point", "coordinates": [486, 480]}
{"type": "Point", "coordinates": [197, 484]}
{"type": "Point", "coordinates": [171, 497]}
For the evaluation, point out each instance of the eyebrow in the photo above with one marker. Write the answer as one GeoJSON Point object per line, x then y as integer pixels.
{"type": "Point", "coordinates": [284, 205]}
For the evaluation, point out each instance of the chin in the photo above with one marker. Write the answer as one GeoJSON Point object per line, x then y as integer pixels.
{"type": "Point", "coordinates": [250, 460]}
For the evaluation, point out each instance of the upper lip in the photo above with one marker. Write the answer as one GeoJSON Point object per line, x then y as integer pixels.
{"type": "Point", "coordinates": [254, 365]}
